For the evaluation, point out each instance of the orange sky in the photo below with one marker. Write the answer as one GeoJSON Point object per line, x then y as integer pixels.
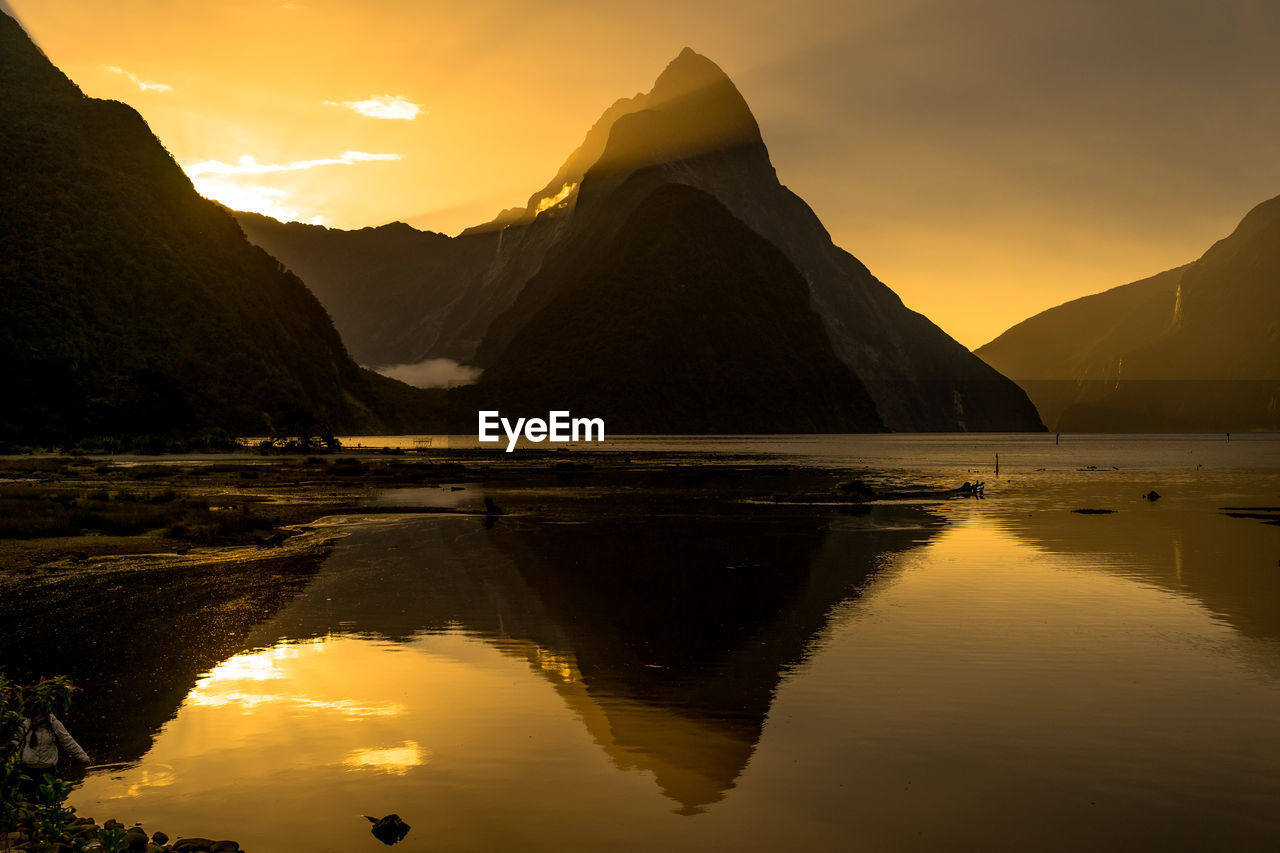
{"type": "Point", "coordinates": [986, 160]}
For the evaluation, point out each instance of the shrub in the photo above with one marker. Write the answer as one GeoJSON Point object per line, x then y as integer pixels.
{"type": "Point", "coordinates": [50, 818]}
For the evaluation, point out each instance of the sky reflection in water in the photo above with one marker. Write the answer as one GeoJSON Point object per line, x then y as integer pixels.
{"type": "Point", "coordinates": [877, 681]}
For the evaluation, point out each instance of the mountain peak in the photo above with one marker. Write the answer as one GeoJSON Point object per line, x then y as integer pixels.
{"type": "Point", "coordinates": [689, 72]}
{"type": "Point", "coordinates": [693, 110]}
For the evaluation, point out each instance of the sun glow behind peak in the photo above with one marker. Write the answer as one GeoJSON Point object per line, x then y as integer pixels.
{"type": "Point", "coordinates": [228, 183]}
{"type": "Point", "coordinates": [269, 201]}
{"type": "Point", "coordinates": [1119, 168]}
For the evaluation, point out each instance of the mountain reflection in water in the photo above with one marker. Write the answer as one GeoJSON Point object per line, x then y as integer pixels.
{"type": "Point", "coordinates": [630, 671]}
{"type": "Point", "coordinates": [667, 638]}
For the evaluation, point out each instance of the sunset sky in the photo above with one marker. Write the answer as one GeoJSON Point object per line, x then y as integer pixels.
{"type": "Point", "coordinates": [986, 160]}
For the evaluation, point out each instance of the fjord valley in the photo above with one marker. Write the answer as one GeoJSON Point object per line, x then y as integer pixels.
{"type": "Point", "coordinates": [626, 254]}
{"type": "Point", "coordinates": [683, 532]}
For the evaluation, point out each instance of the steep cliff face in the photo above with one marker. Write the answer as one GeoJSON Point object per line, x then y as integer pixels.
{"type": "Point", "coordinates": [695, 129]}
{"type": "Point", "coordinates": [1074, 354]}
{"type": "Point", "coordinates": [1193, 348]}
{"type": "Point", "coordinates": [681, 319]}
{"type": "Point", "coordinates": [132, 305]}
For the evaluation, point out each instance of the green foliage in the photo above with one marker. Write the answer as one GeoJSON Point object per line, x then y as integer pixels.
{"type": "Point", "coordinates": [112, 840]}
{"type": "Point", "coordinates": [52, 817]}
{"type": "Point", "coordinates": [49, 814]}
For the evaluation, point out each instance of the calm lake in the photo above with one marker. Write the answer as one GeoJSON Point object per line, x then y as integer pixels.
{"type": "Point", "coordinates": [680, 667]}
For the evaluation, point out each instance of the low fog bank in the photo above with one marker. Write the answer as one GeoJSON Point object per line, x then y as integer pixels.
{"type": "Point", "coordinates": [431, 372]}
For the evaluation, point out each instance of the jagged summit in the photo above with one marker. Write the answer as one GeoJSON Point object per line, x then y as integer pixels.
{"type": "Point", "coordinates": [689, 72]}
{"type": "Point", "coordinates": [693, 108]}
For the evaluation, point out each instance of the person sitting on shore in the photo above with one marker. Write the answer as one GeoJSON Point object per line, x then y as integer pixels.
{"type": "Point", "coordinates": [42, 734]}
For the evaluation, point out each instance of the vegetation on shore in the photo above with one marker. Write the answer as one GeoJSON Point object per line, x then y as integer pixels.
{"type": "Point", "coordinates": [34, 815]}
{"type": "Point", "coordinates": [67, 509]}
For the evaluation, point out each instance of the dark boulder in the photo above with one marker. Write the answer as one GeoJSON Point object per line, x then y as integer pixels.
{"type": "Point", "coordinates": [389, 829]}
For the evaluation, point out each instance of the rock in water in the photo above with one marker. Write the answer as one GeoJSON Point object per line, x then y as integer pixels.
{"type": "Point", "coordinates": [389, 829]}
{"type": "Point", "coordinates": [135, 840]}
{"type": "Point", "coordinates": [1152, 495]}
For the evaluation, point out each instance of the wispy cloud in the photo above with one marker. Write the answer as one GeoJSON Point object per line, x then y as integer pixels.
{"type": "Point", "coordinates": [247, 165]}
{"type": "Point", "coordinates": [382, 106]}
{"type": "Point", "coordinates": [269, 201]}
{"type": "Point", "coordinates": [144, 85]}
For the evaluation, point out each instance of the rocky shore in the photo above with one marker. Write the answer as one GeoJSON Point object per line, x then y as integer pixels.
{"type": "Point", "coordinates": [112, 836]}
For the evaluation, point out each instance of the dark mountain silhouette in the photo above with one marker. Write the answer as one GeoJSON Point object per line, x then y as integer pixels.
{"type": "Point", "coordinates": [134, 306]}
{"type": "Point", "coordinates": [679, 319]}
{"type": "Point", "coordinates": [1195, 348]}
{"type": "Point", "coordinates": [694, 129]}
{"type": "Point", "coordinates": [367, 276]}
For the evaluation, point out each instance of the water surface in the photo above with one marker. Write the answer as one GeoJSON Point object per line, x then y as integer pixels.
{"type": "Point", "coordinates": [623, 669]}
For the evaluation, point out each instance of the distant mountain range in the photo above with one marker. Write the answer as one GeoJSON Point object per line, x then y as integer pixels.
{"type": "Point", "coordinates": [132, 306]}
{"type": "Point", "coordinates": [1196, 348]}
{"type": "Point", "coordinates": [663, 279]}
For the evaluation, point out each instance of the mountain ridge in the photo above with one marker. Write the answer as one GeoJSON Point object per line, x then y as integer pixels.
{"type": "Point", "coordinates": [132, 305]}
{"type": "Point", "coordinates": [1193, 348]}
{"type": "Point", "coordinates": [694, 128]}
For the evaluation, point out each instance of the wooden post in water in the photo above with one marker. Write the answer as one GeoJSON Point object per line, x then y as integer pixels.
{"type": "Point", "coordinates": [997, 464]}
{"type": "Point", "coordinates": [1057, 436]}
